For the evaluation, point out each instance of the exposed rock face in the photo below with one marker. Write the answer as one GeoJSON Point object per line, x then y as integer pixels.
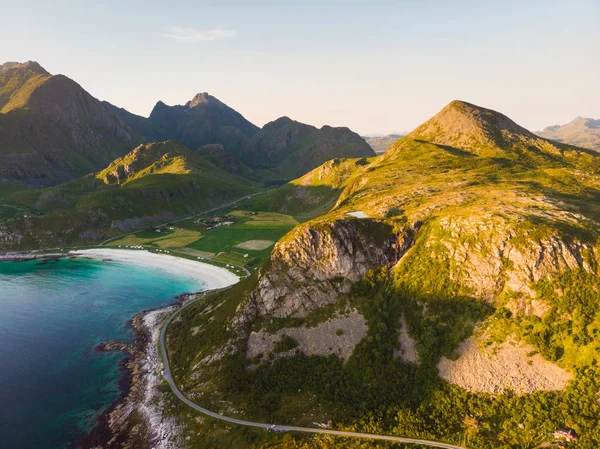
{"type": "Point", "coordinates": [313, 265]}
{"type": "Point", "coordinates": [338, 336]}
{"type": "Point", "coordinates": [408, 345]}
{"type": "Point", "coordinates": [493, 255]}
{"type": "Point", "coordinates": [508, 367]}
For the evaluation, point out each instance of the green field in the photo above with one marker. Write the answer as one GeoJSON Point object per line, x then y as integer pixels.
{"type": "Point", "coordinates": [263, 220]}
{"type": "Point", "coordinates": [219, 243]}
{"type": "Point", "coordinates": [165, 239]}
{"type": "Point", "coordinates": [240, 259]}
{"type": "Point", "coordinates": [248, 226]}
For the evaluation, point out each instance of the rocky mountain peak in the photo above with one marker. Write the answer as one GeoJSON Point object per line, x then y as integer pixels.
{"type": "Point", "coordinates": [201, 98]}
{"type": "Point", "coordinates": [31, 66]}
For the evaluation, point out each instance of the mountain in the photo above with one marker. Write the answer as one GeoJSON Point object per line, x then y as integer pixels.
{"type": "Point", "coordinates": [154, 183]}
{"type": "Point", "coordinates": [292, 148]}
{"type": "Point", "coordinates": [381, 144]}
{"type": "Point", "coordinates": [201, 121]}
{"type": "Point", "coordinates": [51, 129]}
{"type": "Point", "coordinates": [447, 286]}
{"type": "Point", "coordinates": [474, 129]}
{"type": "Point", "coordinates": [582, 132]}
{"type": "Point", "coordinates": [18, 81]}
{"type": "Point", "coordinates": [141, 125]}
{"type": "Point", "coordinates": [284, 148]}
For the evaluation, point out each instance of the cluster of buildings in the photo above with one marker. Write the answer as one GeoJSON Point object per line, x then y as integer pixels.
{"type": "Point", "coordinates": [216, 221]}
{"type": "Point", "coordinates": [159, 229]}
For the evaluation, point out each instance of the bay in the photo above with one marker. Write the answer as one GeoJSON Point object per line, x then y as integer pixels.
{"type": "Point", "coordinates": [54, 384]}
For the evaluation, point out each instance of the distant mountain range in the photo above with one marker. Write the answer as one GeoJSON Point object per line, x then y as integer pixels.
{"type": "Point", "coordinates": [381, 144]}
{"type": "Point", "coordinates": [285, 148]}
{"type": "Point", "coordinates": [52, 130]}
{"type": "Point", "coordinates": [583, 132]}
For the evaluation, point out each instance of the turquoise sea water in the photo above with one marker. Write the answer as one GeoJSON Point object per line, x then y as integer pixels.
{"type": "Point", "coordinates": [53, 382]}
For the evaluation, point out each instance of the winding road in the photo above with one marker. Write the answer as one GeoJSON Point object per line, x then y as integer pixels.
{"type": "Point", "coordinates": [275, 427]}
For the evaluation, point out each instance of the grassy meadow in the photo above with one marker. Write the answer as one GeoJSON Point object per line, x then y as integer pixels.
{"type": "Point", "coordinates": [245, 243]}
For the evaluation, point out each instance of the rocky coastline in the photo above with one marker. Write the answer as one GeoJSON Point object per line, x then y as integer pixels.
{"type": "Point", "coordinates": [137, 419]}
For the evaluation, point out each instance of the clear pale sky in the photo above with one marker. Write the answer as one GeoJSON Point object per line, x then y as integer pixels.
{"type": "Point", "coordinates": [375, 66]}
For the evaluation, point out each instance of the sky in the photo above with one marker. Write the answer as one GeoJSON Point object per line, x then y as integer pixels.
{"type": "Point", "coordinates": [374, 66]}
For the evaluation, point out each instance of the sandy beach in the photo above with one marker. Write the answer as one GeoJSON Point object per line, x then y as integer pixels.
{"type": "Point", "coordinates": [210, 276]}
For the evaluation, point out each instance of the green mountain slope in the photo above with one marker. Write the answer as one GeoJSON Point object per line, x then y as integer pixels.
{"type": "Point", "coordinates": [283, 149]}
{"type": "Point", "coordinates": [51, 130]}
{"type": "Point", "coordinates": [291, 148]}
{"type": "Point", "coordinates": [17, 82]}
{"type": "Point", "coordinates": [582, 132]}
{"type": "Point", "coordinates": [154, 183]}
{"type": "Point", "coordinates": [465, 295]}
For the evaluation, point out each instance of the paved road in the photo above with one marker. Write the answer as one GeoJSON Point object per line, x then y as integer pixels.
{"type": "Point", "coordinates": [276, 427]}
{"type": "Point", "coordinates": [187, 218]}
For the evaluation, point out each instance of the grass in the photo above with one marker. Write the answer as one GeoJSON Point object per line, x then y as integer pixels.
{"type": "Point", "coordinates": [175, 239]}
{"type": "Point", "coordinates": [264, 220]}
{"type": "Point", "coordinates": [218, 244]}
{"type": "Point", "coordinates": [249, 225]}
{"type": "Point", "coordinates": [234, 258]}
{"type": "Point", "coordinates": [225, 240]}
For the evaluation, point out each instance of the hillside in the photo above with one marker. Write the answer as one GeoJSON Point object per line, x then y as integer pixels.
{"type": "Point", "coordinates": [52, 130]}
{"type": "Point", "coordinates": [154, 183]}
{"type": "Point", "coordinates": [450, 284]}
{"type": "Point", "coordinates": [17, 82]}
{"type": "Point", "coordinates": [582, 132]}
{"type": "Point", "coordinates": [291, 148]}
{"type": "Point", "coordinates": [201, 121]}
{"type": "Point", "coordinates": [381, 144]}
{"type": "Point", "coordinates": [283, 149]}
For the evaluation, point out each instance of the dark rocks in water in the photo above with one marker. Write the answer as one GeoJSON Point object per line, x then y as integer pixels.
{"type": "Point", "coordinates": [114, 346]}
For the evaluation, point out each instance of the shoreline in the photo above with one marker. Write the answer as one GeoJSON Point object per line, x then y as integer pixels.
{"type": "Point", "coordinates": [136, 419]}
{"type": "Point", "coordinates": [210, 276]}
{"type": "Point", "coordinates": [25, 256]}
{"type": "Point", "coordinates": [131, 421]}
